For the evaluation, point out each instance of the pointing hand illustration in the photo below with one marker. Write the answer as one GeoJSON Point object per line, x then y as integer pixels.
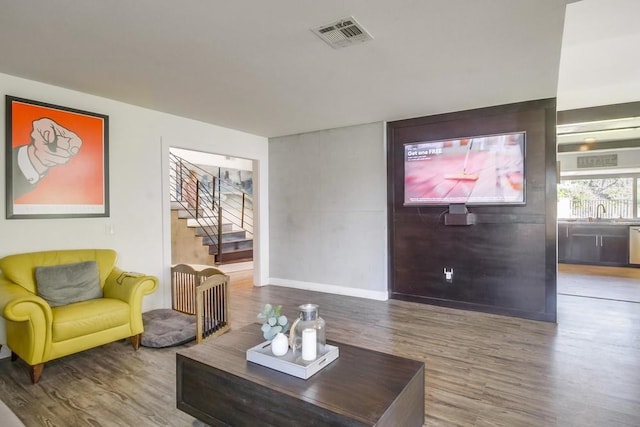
{"type": "Point", "coordinates": [51, 145]}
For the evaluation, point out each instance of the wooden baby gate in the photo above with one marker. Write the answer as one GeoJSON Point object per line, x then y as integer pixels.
{"type": "Point", "coordinates": [204, 294]}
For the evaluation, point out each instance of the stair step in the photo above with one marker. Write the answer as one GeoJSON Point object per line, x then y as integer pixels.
{"type": "Point", "coordinates": [234, 256]}
{"type": "Point", "coordinates": [186, 213]}
{"type": "Point", "coordinates": [184, 206]}
{"type": "Point", "coordinates": [202, 222]}
{"type": "Point", "coordinates": [211, 230]}
{"type": "Point", "coordinates": [227, 235]}
{"type": "Point", "coordinates": [207, 216]}
{"type": "Point", "coordinates": [232, 245]}
{"type": "Point", "coordinates": [207, 222]}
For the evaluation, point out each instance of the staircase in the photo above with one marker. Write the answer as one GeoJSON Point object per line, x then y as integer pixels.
{"type": "Point", "coordinates": [217, 213]}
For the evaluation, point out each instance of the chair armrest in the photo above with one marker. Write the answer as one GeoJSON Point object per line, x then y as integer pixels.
{"type": "Point", "coordinates": [20, 305]}
{"type": "Point", "coordinates": [127, 286]}
{"type": "Point", "coordinates": [130, 288]}
{"type": "Point", "coordinates": [29, 322]}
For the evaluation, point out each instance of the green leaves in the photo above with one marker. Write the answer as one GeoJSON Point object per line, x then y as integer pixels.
{"type": "Point", "coordinates": [274, 321]}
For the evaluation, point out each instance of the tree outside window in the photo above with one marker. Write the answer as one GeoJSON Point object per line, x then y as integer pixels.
{"type": "Point", "coordinates": [580, 198]}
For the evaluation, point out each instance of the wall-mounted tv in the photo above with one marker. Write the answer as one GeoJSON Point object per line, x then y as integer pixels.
{"type": "Point", "coordinates": [479, 170]}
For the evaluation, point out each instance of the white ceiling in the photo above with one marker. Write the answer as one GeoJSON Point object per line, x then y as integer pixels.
{"type": "Point", "coordinates": [600, 59]}
{"type": "Point", "coordinates": [254, 65]}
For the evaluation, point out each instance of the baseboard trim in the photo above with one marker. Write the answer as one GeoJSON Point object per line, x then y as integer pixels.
{"type": "Point", "coordinates": [489, 309]}
{"type": "Point", "coordinates": [330, 289]}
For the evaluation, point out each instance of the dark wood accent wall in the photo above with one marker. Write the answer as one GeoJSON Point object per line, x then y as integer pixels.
{"type": "Point", "coordinates": [506, 262]}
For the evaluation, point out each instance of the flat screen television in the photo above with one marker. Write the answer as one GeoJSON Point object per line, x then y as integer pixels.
{"type": "Point", "coordinates": [478, 170]}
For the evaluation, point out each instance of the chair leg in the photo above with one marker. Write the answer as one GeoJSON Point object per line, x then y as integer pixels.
{"type": "Point", "coordinates": [36, 372]}
{"type": "Point", "coordinates": [135, 341]}
{"type": "Point", "coordinates": [14, 357]}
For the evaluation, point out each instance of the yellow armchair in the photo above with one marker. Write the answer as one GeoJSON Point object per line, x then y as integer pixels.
{"type": "Point", "coordinates": [38, 332]}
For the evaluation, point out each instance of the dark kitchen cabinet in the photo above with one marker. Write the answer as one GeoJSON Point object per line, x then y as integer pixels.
{"type": "Point", "coordinates": [585, 248]}
{"type": "Point", "coordinates": [614, 249]}
{"type": "Point", "coordinates": [593, 244]}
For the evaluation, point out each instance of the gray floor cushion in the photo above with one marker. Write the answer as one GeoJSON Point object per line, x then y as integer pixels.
{"type": "Point", "coordinates": [166, 328]}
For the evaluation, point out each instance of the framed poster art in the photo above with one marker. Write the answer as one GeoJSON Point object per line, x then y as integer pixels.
{"type": "Point", "coordinates": [57, 161]}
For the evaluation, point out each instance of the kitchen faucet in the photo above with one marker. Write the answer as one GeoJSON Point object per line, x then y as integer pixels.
{"type": "Point", "coordinates": [604, 211]}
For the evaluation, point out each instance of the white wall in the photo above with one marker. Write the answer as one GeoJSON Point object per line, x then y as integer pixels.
{"type": "Point", "coordinates": [328, 211]}
{"type": "Point", "coordinates": [139, 141]}
{"type": "Point", "coordinates": [200, 158]}
{"type": "Point", "coordinates": [628, 162]}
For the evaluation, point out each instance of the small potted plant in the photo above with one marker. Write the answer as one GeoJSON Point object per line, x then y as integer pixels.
{"type": "Point", "coordinates": [274, 328]}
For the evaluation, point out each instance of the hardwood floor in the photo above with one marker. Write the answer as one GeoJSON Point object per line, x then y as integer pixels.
{"type": "Point", "coordinates": [593, 281]}
{"type": "Point", "coordinates": [481, 370]}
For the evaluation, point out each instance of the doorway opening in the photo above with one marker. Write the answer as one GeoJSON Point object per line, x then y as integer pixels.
{"type": "Point", "coordinates": [597, 193]}
{"type": "Point", "coordinates": [211, 210]}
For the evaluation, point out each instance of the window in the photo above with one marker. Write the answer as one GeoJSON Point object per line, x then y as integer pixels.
{"type": "Point", "coordinates": [599, 197]}
{"type": "Point", "coordinates": [599, 162]}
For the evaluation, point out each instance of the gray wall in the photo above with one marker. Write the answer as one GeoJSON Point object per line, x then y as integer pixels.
{"type": "Point", "coordinates": [327, 210]}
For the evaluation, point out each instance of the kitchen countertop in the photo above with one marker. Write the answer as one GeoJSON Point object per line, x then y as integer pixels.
{"type": "Point", "coordinates": [599, 222]}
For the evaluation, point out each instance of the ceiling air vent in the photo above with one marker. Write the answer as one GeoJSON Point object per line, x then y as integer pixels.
{"type": "Point", "coordinates": [342, 33]}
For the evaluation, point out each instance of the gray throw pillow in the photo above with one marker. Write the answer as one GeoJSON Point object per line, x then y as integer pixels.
{"type": "Point", "coordinates": [68, 283]}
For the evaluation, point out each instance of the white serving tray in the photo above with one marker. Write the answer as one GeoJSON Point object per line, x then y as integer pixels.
{"type": "Point", "coordinates": [290, 364]}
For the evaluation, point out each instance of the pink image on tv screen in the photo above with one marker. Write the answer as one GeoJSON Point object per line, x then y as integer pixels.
{"type": "Point", "coordinates": [478, 170]}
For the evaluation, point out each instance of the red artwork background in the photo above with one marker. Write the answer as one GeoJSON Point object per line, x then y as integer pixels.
{"type": "Point", "coordinates": [81, 181]}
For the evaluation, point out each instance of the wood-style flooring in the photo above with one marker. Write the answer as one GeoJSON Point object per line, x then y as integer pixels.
{"type": "Point", "coordinates": [594, 281]}
{"type": "Point", "coordinates": [481, 370]}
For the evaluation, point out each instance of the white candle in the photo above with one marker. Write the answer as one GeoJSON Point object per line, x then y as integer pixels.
{"type": "Point", "coordinates": [309, 344]}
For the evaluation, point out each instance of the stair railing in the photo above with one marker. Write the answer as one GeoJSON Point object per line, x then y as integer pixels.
{"type": "Point", "coordinates": [236, 205]}
{"type": "Point", "coordinates": [194, 189]}
{"type": "Point", "coordinates": [187, 190]}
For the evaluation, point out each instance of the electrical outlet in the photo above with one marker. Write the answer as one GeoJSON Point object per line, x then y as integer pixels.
{"type": "Point", "coordinates": [448, 275]}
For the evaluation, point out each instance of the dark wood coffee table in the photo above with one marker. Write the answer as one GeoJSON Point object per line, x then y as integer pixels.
{"type": "Point", "coordinates": [216, 384]}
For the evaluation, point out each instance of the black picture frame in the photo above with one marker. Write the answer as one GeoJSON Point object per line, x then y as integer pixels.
{"type": "Point", "coordinates": [57, 161]}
